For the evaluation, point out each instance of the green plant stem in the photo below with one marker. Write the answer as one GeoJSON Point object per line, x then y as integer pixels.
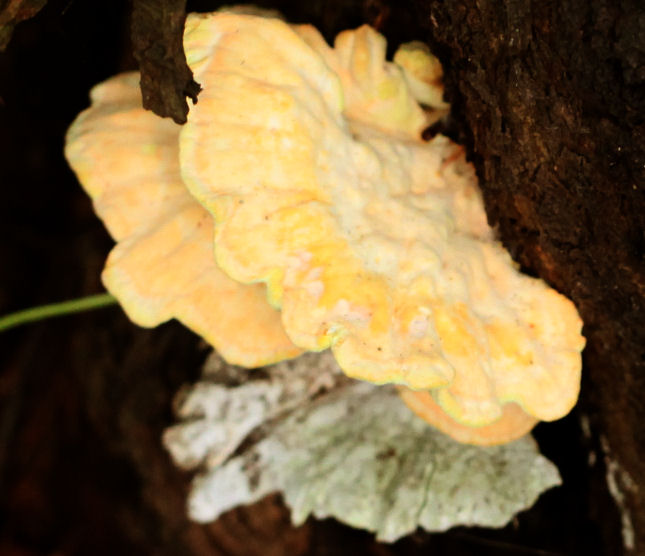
{"type": "Point", "coordinates": [56, 310]}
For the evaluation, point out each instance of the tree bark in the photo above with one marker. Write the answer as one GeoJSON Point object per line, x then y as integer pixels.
{"type": "Point", "coordinates": [550, 98]}
{"type": "Point", "coordinates": [157, 31]}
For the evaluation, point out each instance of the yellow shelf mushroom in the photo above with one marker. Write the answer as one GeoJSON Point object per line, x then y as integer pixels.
{"type": "Point", "coordinates": [308, 162]}
{"type": "Point", "coordinates": [370, 240]}
{"type": "Point", "coordinates": [162, 265]}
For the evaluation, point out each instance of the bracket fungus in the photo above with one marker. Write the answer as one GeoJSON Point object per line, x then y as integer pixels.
{"type": "Point", "coordinates": [162, 266]}
{"type": "Point", "coordinates": [309, 162]}
{"type": "Point", "coordinates": [370, 240]}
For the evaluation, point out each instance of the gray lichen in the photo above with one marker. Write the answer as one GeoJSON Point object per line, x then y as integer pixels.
{"type": "Point", "coordinates": [343, 449]}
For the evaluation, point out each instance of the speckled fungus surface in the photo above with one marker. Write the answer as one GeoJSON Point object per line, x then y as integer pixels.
{"type": "Point", "coordinates": [370, 240]}
{"type": "Point", "coordinates": [162, 265]}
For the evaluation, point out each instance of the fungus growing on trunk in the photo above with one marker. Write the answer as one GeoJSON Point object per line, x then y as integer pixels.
{"type": "Point", "coordinates": [310, 164]}
{"type": "Point", "coordinates": [370, 240]}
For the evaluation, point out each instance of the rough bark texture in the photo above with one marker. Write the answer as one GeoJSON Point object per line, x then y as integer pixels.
{"type": "Point", "coordinates": [13, 12]}
{"type": "Point", "coordinates": [551, 99]}
{"type": "Point", "coordinates": [157, 40]}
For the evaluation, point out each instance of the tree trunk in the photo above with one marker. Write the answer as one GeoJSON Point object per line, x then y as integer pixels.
{"type": "Point", "coordinates": [550, 98]}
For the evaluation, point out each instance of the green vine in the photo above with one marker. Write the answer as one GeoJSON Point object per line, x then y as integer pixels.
{"type": "Point", "coordinates": [43, 312]}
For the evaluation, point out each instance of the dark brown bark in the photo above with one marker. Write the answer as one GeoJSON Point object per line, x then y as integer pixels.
{"type": "Point", "coordinates": [551, 98]}
{"type": "Point", "coordinates": [157, 42]}
{"type": "Point", "coordinates": [13, 12]}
